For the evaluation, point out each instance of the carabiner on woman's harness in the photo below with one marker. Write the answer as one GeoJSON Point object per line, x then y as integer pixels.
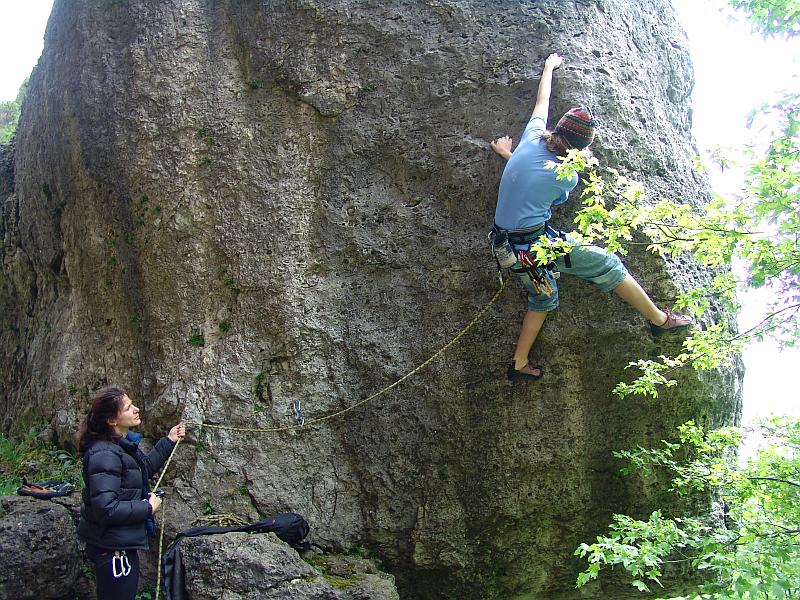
{"type": "Point", "coordinates": [124, 565]}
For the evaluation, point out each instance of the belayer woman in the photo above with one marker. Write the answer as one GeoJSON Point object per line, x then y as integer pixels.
{"type": "Point", "coordinates": [527, 193]}
{"type": "Point", "coordinates": [117, 503]}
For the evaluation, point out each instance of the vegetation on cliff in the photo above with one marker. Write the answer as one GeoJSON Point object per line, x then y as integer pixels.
{"type": "Point", "coordinates": [751, 548]}
{"type": "Point", "coordinates": [9, 114]}
{"type": "Point", "coordinates": [29, 456]}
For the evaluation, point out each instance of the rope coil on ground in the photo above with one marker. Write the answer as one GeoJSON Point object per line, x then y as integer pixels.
{"type": "Point", "coordinates": [480, 314]}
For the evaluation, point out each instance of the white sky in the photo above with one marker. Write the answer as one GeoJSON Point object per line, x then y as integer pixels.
{"type": "Point", "coordinates": [734, 72]}
{"type": "Point", "coordinates": [21, 41]}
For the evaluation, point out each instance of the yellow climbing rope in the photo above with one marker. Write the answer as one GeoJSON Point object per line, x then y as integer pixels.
{"type": "Point", "coordinates": [481, 313]}
{"type": "Point", "coordinates": [380, 392]}
{"type": "Point", "coordinates": [161, 533]}
{"type": "Point", "coordinates": [163, 517]}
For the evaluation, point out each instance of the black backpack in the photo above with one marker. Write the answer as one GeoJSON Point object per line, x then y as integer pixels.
{"type": "Point", "coordinates": [290, 527]}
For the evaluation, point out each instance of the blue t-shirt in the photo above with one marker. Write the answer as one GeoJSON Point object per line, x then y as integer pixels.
{"type": "Point", "coordinates": [527, 189]}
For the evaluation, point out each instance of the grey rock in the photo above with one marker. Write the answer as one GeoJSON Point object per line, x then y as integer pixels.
{"type": "Point", "coordinates": [39, 554]}
{"type": "Point", "coordinates": [240, 566]}
{"type": "Point", "coordinates": [304, 187]}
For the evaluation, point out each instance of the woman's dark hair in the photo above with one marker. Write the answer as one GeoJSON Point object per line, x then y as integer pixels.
{"type": "Point", "coordinates": [106, 405]}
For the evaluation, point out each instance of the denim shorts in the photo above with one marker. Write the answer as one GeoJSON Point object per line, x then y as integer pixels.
{"type": "Point", "coordinates": [592, 263]}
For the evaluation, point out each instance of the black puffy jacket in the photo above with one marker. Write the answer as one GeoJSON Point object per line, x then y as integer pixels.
{"type": "Point", "coordinates": [115, 509]}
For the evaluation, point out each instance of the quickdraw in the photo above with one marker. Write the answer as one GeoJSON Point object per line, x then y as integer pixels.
{"type": "Point", "coordinates": [297, 411]}
{"type": "Point", "coordinates": [539, 280]}
{"type": "Point", "coordinates": [525, 265]}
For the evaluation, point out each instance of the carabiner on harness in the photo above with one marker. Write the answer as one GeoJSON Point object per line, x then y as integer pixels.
{"type": "Point", "coordinates": [536, 274]}
{"type": "Point", "coordinates": [124, 565]}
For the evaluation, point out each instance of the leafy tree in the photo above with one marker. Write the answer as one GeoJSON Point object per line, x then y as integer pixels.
{"type": "Point", "coordinates": [751, 549]}
{"type": "Point", "coordinates": [9, 116]}
{"type": "Point", "coordinates": [770, 17]}
{"type": "Point", "coordinates": [10, 112]}
{"type": "Point", "coordinates": [752, 552]}
{"type": "Point", "coordinates": [757, 229]}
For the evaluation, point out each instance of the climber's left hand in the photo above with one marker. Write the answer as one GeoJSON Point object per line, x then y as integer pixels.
{"type": "Point", "coordinates": [502, 146]}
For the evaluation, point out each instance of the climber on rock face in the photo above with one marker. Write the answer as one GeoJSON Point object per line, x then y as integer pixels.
{"type": "Point", "coordinates": [527, 193]}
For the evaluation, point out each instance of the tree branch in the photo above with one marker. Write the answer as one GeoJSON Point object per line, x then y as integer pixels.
{"type": "Point", "coordinates": [776, 480]}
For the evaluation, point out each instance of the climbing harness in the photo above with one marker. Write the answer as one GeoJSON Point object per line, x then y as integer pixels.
{"type": "Point", "coordinates": [520, 262]}
{"type": "Point", "coordinates": [121, 559]}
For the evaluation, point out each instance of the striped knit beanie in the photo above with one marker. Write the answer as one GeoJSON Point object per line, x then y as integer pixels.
{"type": "Point", "coordinates": [577, 127]}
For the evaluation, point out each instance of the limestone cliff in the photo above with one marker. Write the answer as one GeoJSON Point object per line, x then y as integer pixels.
{"type": "Point", "coordinates": [226, 206]}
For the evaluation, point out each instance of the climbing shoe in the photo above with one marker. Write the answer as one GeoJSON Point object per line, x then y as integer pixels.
{"type": "Point", "coordinates": [526, 373]}
{"type": "Point", "coordinates": [674, 322]}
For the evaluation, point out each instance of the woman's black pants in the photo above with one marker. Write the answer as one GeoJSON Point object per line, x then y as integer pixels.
{"type": "Point", "coordinates": [116, 572]}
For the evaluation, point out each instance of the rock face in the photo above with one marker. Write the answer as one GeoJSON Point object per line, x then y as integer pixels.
{"type": "Point", "coordinates": [230, 206]}
{"type": "Point", "coordinates": [40, 558]}
{"type": "Point", "coordinates": [268, 569]}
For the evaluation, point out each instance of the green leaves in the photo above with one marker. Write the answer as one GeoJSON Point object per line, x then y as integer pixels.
{"type": "Point", "coordinates": [9, 114]}
{"type": "Point", "coordinates": [750, 548]}
{"type": "Point", "coordinates": [759, 229]}
{"type": "Point", "coordinates": [640, 547]}
{"type": "Point", "coordinates": [771, 17]}
{"type": "Point", "coordinates": [751, 551]}
{"type": "Point", "coordinates": [29, 456]}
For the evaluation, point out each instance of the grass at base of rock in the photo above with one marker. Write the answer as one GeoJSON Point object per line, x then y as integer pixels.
{"type": "Point", "coordinates": [341, 582]}
{"type": "Point", "coordinates": [29, 456]}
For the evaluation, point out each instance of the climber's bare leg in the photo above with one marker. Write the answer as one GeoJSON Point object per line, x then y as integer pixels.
{"type": "Point", "coordinates": [630, 291]}
{"type": "Point", "coordinates": [531, 325]}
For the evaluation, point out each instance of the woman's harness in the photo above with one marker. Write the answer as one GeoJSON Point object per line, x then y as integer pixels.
{"type": "Point", "coordinates": [526, 264]}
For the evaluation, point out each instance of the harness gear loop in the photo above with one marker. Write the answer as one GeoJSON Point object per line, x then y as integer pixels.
{"type": "Point", "coordinates": [528, 265]}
